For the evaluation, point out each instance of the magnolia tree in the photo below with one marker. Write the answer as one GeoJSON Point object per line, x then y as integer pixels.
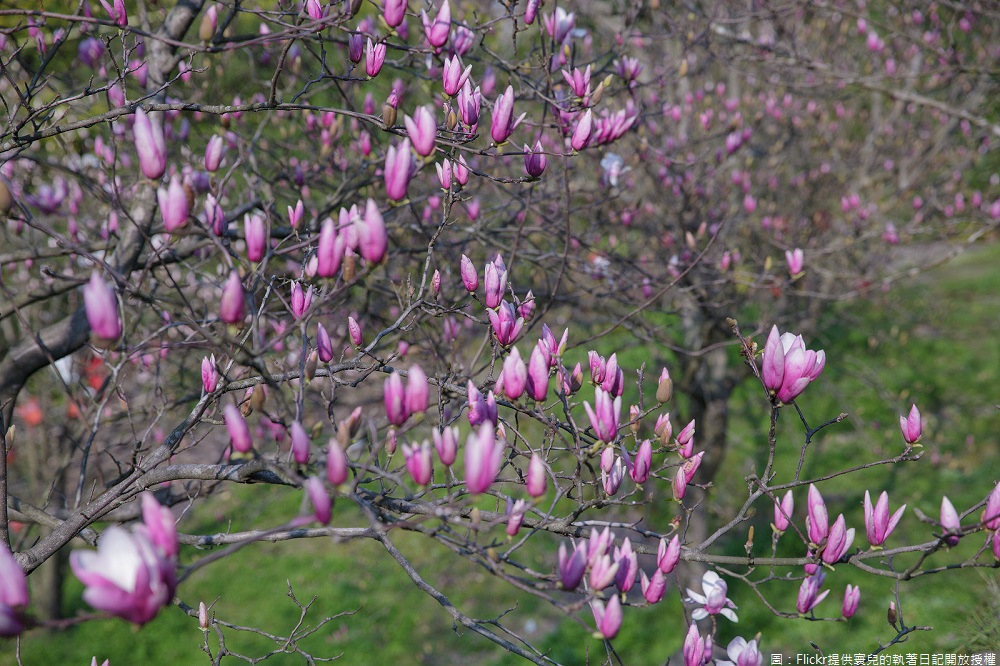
{"type": "Point", "coordinates": [329, 246]}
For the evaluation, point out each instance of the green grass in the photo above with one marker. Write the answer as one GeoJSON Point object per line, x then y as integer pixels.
{"type": "Point", "coordinates": [882, 356]}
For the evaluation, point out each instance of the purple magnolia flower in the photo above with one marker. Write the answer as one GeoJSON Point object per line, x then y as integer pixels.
{"type": "Point", "coordinates": [470, 278]}
{"type": "Point", "coordinates": [373, 240]}
{"type": "Point", "coordinates": [101, 305]}
{"type": "Point", "coordinates": [991, 514]}
{"type": "Point", "coordinates": [174, 205]}
{"type": "Point", "coordinates": [604, 416]}
{"type": "Point", "coordinates": [878, 524]}
{"type": "Point", "coordinates": [506, 324]}
{"type": "Point", "coordinates": [583, 131]}
{"type": "Point", "coordinates": [628, 566]}
{"type": "Point", "coordinates": [639, 469]}
{"type": "Point", "coordinates": [13, 594]}
{"type": "Point", "coordinates": [696, 647]}
{"type": "Point", "coordinates": [319, 498]}
{"type": "Point", "coordinates": [395, 399]}
{"type": "Point", "coordinates": [324, 346]}
{"type": "Point", "coordinates": [117, 12]}
{"type": "Point", "coordinates": [742, 653]}
{"type": "Point", "coordinates": [422, 130]}
{"type": "Point", "coordinates": [337, 469]}
{"type": "Point", "coordinates": [131, 574]}
{"type": "Point", "coordinates": [809, 594]}
{"type": "Point", "coordinates": [788, 367]}
{"type": "Point", "coordinates": [330, 249]}
{"type": "Point", "coordinates": [714, 600]}
{"type": "Point", "coordinates": [534, 160]}
{"type": "Point", "coordinates": [602, 572]}
{"type": "Point", "coordinates": [495, 280]}
{"type": "Point", "coordinates": [470, 102]}
{"type": "Point", "coordinates": [300, 299]}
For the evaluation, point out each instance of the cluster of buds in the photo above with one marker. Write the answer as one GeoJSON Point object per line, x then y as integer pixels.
{"type": "Point", "coordinates": [400, 404]}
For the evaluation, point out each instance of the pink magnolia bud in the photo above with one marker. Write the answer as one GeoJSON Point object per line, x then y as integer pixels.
{"type": "Point", "coordinates": [783, 512]}
{"type": "Point", "coordinates": [209, 374]}
{"type": "Point", "coordinates": [320, 500]}
{"type": "Point", "coordinates": [202, 608]}
{"type": "Point", "coordinates": [214, 216]}
{"type": "Point", "coordinates": [583, 131]}
{"type": "Point", "coordinates": [324, 346]}
{"type": "Point", "coordinates": [397, 170]}
{"type": "Point", "coordinates": [852, 595]}
{"type": "Point", "coordinates": [503, 123]}
{"type": "Point", "coordinates": [255, 234]}
{"type": "Point", "coordinates": [300, 443]}
{"type": "Point", "coordinates": [602, 572]}
{"type": "Point", "coordinates": [460, 170]}
{"type": "Point", "coordinates": [232, 305]}
{"type": "Point", "coordinates": [538, 376]}
{"type": "Point", "coordinates": [607, 618]}
{"type": "Point", "coordinates": [795, 261]}
{"type": "Point", "coordinates": [295, 214]}
{"type": "Point", "coordinates": [416, 391]}
{"type": "Point", "coordinates": [422, 130]}
{"type": "Point", "coordinates": [514, 375]}
{"type": "Point", "coordinates": [838, 541]}
{"type": "Point", "coordinates": [483, 457]}
{"type": "Point", "coordinates": [680, 484]}
{"type": "Point", "coordinates": [300, 300]}
{"type": "Point", "coordinates": [470, 102]}
{"type": "Point", "coordinates": [991, 514]}
{"type": "Point", "coordinates": [526, 309]}
{"type": "Point", "coordinates": [612, 478]}
{"type": "Point", "coordinates": [174, 206]}
{"type": "Point", "coordinates": [373, 238]}
{"type": "Point", "coordinates": [336, 464]}
{"type": "Point", "coordinates": [314, 9]}
{"type": "Point", "coordinates": [950, 523]}
{"type": "Point", "coordinates": [817, 522]}
{"type": "Point", "coordinates": [443, 169]}
{"type": "Point", "coordinates": [572, 566]}
{"type": "Point", "coordinates": [809, 595]}
{"type": "Point", "coordinates": [639, 470]}
{"type": "Point", "coordinates": [453, 76]}
{"type": "Point", "coordinates": [604, 415]}
{"type": "Point", "coordinates": [374, 57]}
{"type": "Point", "coordinates": [101, 305]}
{"type": "Point", "coordinates": [653, 588]}
{"type": "Point", "coordinates": [239, 431]}
{"type": "Point", "coordinates": [149, 144]}
{"type": "Point", "coordinates": [394, 11]}
{"type": "Point", "coordinates": [394, 397]}
{"type": "Point", "coordinates": [536, 481]}
{"type": "Point", "coordinates": [214, 151]}
{"type": "Point", "coordinates": [470, 278]}
{"type": "Point", "coordinates": [668, 554]}
{"type": "Point", "coordinates": [685, 439]}
{"type": "Point", "coordinates": [419, 463]}
{"type": "Point", "coordinates": [531, 10]}
{"type": "Point", "coordinates": [495, 280]}
{"type": "Point", "coordinates": [116, 12]}
{"type": "Point", "coordinates": [534, 160]}
{"type": "Point", "coordinates": [628, 566]}
{"type": "Point", "coordinates": [446, 444]}
{"type": "Point", "coordinates": [330, 249]}
{"type": "Point", "coordinates": [559, 24]}
{"type": "Point", "coordinates": [911, 426]}
{"type": "Point", "coordinates": [354, 330]}
{"type": "Point", "coordinates": [438, 30]}
{"type": "Point", "coordinates": [515, 516]}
